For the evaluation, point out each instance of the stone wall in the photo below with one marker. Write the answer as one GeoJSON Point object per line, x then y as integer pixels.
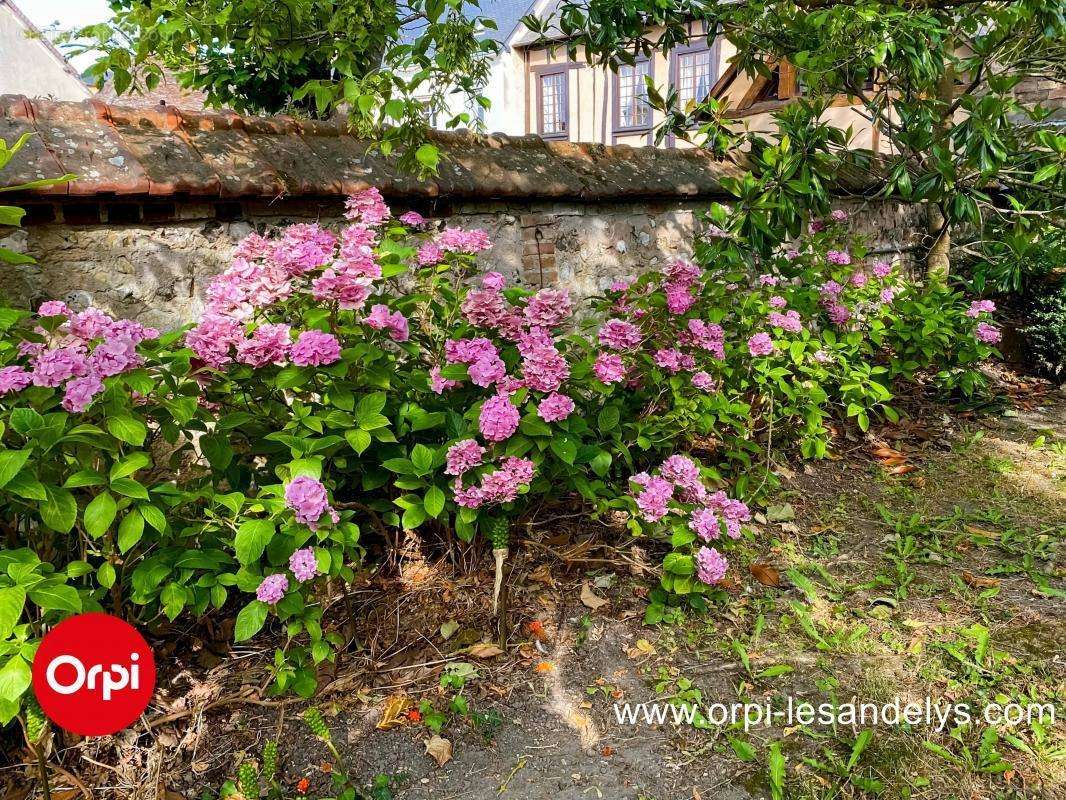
{"type": "Point", "coordinates": [154, 263]}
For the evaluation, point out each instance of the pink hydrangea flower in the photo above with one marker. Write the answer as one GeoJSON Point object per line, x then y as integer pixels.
{"type": "Point", "coordinates": [429, 254]}
{"type": "Point", "coordinates": [213, 339]}
{"type": "Point", "coordinates": [53, 308]}
{"type": "Point", "coordinates": [831, 289]}
{"type": "Point", "coordinates": [792, 255]}
{"type": "Point", "coordinates": [307, 497]}
{"type": "Point", "coordinates": [486, 371]}
{"type": "Point", "coordinates": [357, 243]}
{"type": "Point", "coordinates": [380, 318]}
{"type": "Point", "coordinates": [986, 333]}
{"type": "Point", "coordinates": [315, 348]}
{"type": "Point", "coordinates": [704, 523]}
{"type": "Point", "coordinates": [669, 359]}
{"type": "Point", "coordinates": [303, 564]}
{"type": "Point", "coordinates": [543, 368]}
{"type": "Point", "coordinates": [56, 367]}
{"type": "Point", "coordinates": [555, 407]}
{"type": "Point", "coordinates": [653, 499]}
{"type": "Point", "coordinates": [494, 281]}
{"type": "Point", "coordinates": [703, 381]}
{"type": "Point", "coordinates": [439, 384]}
{"type": "Point", "coordinates": [839, 215]}
{"type": "Point", "coordinates": [621, 284]}
{"type": "Point", "coordinates": [888, 294]}
{"type": "Point", "coordinates": [498, 419]}
{"type": "Point", "coordinates": [272, 589]}
{"type": "Point", "coordinates": [457, 240]}
{"type": "Point", "coordinates": [14, 379]}
{"type": "Point", "coordinates": [618, 334]}
{"type": "Point", "coordinates": [789, 321]}
{"type": "Point", "coordinates": [92, 323]}
{"type": "Point", "coordinates": [413, 219]}
{"type": "Point", "coordinates": [760, 344]}
{"type": "Point", "coordinates": [858, 279]}
{"type": "Point", "coordinates": [609, 368]}
{"type": "Point", "coordinates": [839, 257]}
{"type": "Point", "coordinates": [549, 307]}
{"type": "Point", "coordinates": [978, 307]}
{"type": "Point", "coordinates": [768, 280]}
{"type": "Point", "coordinates": [268, 344]}
{"type": "Point", "coordinates": [367, 207]}
{"type": "Point", "coordinates": [882, 269]}
{"type": "Point", "coordinates": [839, 314]}
{"type": "Point", "coordinates": [711, 566]}
{"type": "Point", "coordinates": [708, 336]}
{"type": "Point", "coordinates": [463, 456]}
{"type": "Point", "coordinates": [348, 289]}
{"type": "Point", "coordinates": [778, 302]}
{"type": "Point", "coordinates": [485, 308]}
{"type": "Point", "coordinates": [79, 393]}
{"type": "Point", "coordinates": [679, 297]}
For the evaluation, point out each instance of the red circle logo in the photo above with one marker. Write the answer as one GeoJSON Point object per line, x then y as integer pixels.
{"type": "Point", "coordinates": [93, 674]}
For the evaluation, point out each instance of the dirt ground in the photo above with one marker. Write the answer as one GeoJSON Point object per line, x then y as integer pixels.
{"type": "Point", "coordinates": [920, 561]}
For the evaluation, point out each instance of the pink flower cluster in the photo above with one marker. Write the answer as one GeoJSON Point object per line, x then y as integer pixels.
{"type": "Point", "coordinates": [979, 307]}
{"type": "Point", "coordinates": [498, 419]}
{"type": "Point", "coordinates": [555, 407]}
{"type": "Point", "coordinates": [711, 566]}
{"type": "Point", "coordinates": [77, 354]}
{"type": "Point", "coordinates": [682, 276]}
{"type": "Point", "coordinates": [307, 497]}
{"type": "Point", "coordinates": [760, 344]}
{"type": "Point", "coordinates": [457, 240]}
{"type": "Point", "coordinates": [789, 321]}
{"type": "Point", "coordinates": [989, 334]}
{"type": "Point", "coordinates": [303, 564]}
{"type": "Point", "coordinates": [502, 485]}
{"type": "Point", "coordinates": [380, 318]}
{"type": "Point", "coordinates": [841, 258]}
{"type": "Point", "coordinates": [617, 334]}
{"type": "Point", "coordinates": [463, 456]}
{"type": "Point", "coordinates": [367, 207]}
{"type": "Point", "coordinates": [272, 589]}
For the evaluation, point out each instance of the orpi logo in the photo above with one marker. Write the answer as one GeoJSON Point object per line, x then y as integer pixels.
{"type": "Point", "coordinates": [93, 674]}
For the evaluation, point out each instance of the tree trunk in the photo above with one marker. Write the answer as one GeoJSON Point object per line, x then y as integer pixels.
{"type": "Point", "coordinates": [938, 232]}
{"type": "Point", "coordinates": [937, 261]}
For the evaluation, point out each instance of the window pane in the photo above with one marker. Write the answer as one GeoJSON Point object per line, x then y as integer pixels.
{"type": "Point", "coordinates": [553, 109]}
{"type": "Point", "coordinates": [694, 74]}
{"type": "Point", "coordinates": [633, 110]}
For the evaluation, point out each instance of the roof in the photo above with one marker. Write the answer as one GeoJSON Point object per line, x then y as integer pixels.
{"type": "Point", "coordinates": [117, 150]}
{"type": "Point", "coordinates": [168, 92]}
{"type": "Point", "coordinates": [46, 43]}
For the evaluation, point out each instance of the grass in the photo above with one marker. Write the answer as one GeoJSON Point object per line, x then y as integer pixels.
{"type": "Point", "coordinates": [943, 583]}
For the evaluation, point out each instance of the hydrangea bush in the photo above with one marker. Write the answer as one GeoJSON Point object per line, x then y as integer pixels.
{"type": "Point", "coordinates": [368, 379]}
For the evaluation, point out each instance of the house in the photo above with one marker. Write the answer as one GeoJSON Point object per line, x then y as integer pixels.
{"type": "Point", "coordinates": [534, 88]}
{"type": "Point", "coordinates": [31, 65]}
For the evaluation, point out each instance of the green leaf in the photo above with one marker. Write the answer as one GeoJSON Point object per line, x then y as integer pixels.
{"type": "Point", "coordinates": [564, 447]}
{"type": "Point", "coordinates": [56, 597]}
{"type": "Point", "coordinates": [250, 621]}
{"type": "Point", "coordinates": [130, 464]}
{"type": "Point", "coordinates": [128, 487]}
{"type": "Point", "coordinates": [428, 156]}
{"type": "Point", "coordinates": [608, 418]}
{"type": "Point", "coordinates": [130, 530]}
{"type": "Point", "coordinates": [15, 677]}
{"type": "Point", "coordinates": [60, 510]}
{"type": "Point", "coordinates": [251, 540]}
{"type": "Point", "coordinates": [153, 516]}
{"type": "Point", "coordinates": [217, 450]}
{"type": "Point", "coordinates": [12, 600]}
{"type": "Point", "coordinates": [413, 517]}
{"type": "Point", "coordinates": [358, 439]}
{"type": "Point", "coordinates": [99, 514]}
{"type": "Point", "coordinates": [422, 458]}
{"type": "Point", "coordinates": [127, 428]}
{"type": "Point", "coordinates": [11, 463]}
{"type": "Point", "coordinates": [434, 501]}
{"type": "Point", "coordinates": [105, 576]}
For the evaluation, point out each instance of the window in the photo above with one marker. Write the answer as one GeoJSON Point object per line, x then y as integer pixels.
{"type": "Point", "coordinates": [553, 101]}
{"type": "Point", "coordinates": [633, 110]}
{"type": "Point", "coordinates": [695, 75]}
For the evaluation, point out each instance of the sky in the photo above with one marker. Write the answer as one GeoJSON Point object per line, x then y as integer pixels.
{"type": "Point", "coordinates": [69, 14]}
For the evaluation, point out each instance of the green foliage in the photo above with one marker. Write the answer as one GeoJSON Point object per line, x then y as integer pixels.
{"type": "Point", "coordinates": [374, 60]}
{"type": "Point", "coordinates": [1045, 333]}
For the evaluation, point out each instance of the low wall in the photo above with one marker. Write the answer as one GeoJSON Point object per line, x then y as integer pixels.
{"type": "Point", "coordinates": [164, 196]}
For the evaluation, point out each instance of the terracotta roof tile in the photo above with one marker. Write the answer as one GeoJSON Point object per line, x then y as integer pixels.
{"type": "Point", "coordinates": [158, 152]}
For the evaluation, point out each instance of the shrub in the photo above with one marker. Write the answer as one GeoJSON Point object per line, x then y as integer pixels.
{"type": "Point", "coordinates": [362, 377]}
{"type": "Point", "coordinates": [1045, 335]}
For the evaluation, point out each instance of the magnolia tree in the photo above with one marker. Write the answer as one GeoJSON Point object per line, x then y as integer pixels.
{"type": "Point", "coordinates": [937, 79]}
{"type": "Point", "coordinates": [366, 379]}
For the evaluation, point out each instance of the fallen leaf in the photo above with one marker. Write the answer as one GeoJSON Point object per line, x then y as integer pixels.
{"type": "Point", "coordinates": [765, 574]}
{"type": "Point", "coordinates": [536, 629]}
{"type": "Point", "coordinates": [590, 599]}
{"type": "Point", "coordinates": [607, 751]}
{"type": "Point", "coordinates": [642, 648]}
{"type": "Point", "coordinates": [484, 650]}
{"type": "Point", "coordinates": [781, 513]}
{"type": "Point", "coordinates": [439, 749]}
{"type": "Point", "coordinates": [979, 581]}
{"type": "Point", "coordinates": [448, 629]}
{"type": "Point", "coordinates": [392, 712]}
